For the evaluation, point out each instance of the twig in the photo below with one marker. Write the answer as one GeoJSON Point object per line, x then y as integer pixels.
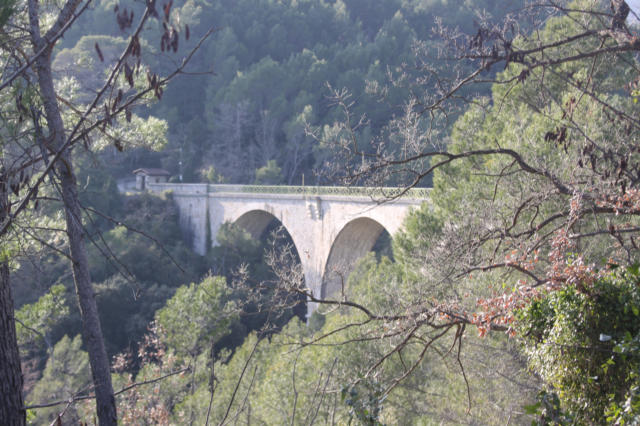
{"type": "Point", "coordinates": [124, 389]}
{"type": "Point", "coordinates": [235, 390]}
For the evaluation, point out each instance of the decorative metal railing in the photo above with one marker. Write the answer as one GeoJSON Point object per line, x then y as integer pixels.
{"type": "Point", "coordinates": [379, 192]}
{"type": "Point", "coordinates": [345, 191]}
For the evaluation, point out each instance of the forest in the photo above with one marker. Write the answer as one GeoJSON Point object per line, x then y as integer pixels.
{"type": "Point", "coordinates": [510, 296]}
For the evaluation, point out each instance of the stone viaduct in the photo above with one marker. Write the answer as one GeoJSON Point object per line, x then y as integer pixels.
{"type": "Point", "coordinates": [331, 227]}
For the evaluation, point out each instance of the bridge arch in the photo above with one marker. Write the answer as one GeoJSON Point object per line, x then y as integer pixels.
{"type": "Point", "coordinates": [255, 222]}
{"type": "Point", "coordinates": [355, 239]}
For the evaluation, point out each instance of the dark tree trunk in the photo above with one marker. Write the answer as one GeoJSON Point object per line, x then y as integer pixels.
{"type": "Point", "coordinates": [92, 331]}
{"type": "Point", "coordinates": [11, 405]}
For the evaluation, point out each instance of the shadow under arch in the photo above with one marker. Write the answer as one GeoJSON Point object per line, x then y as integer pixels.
{"type": "Point", "coordinates": [354, 241]}
{"type": "Point", "coordinates": [256, 222]}
{"type": "Point", "coordinates": [261, 224]}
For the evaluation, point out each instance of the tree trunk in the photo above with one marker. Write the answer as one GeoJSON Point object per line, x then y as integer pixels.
{"type": "Point", "coordinates": [12, 411]}
{"type": "Point", "coordinates": [92, 331]}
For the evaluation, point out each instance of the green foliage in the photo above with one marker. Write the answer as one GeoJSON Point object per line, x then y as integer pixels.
{"type": "Point", "coordinates": [364, 400]}
{"type": "Point", "coordinates": [150, 259]}
{"type": "Point", "coordinates": [135, 269]}
{"type": "Point", "coordinates": [294, 383]}
{"type": "Point", "coordinates": [98, 191]}
{"type": "Point", "coordinates": [66, 374]}
{"type": "Point", "coordinates": [475, 199]}
{"type": "Point", "coordinates": [627, 409]}
{"type": "Point", "coordinates": [210, 175]}
{"type": "Point", "coordinates": [35, 321]}
{"type": "Point", "coordinates": [271, 59]}
{"type": "Point", "coordinates": [584, 344]}
{"type": "Point", "coordinates": [234, 237]}
{"type": "Point", "coordinates": [376, 283]}
{"type": "Point", "coordinates": [270, 174]}
{"type": "Point", "coordinates": [239, 255]}
{"type": "Point", "coordinates": [197, 315]}
{"type": "Point", "coordinates": [548, 411]}
{"type": "Point", "coordinates": [148, 133]}
{"type": "Point", "coordinates": [235, 248]}
{"type": "Point", "coordinates": [149, 246]}
{"type": "Point", "coordinates": [519, 117]}
{"type": "Point", "coordinates": [7, 7]}
{"type": "Point", "coordinates": [316, 321]}
{"type": "Point", "coordinates": [193, 408]}
{"type": "Point", "coordinates": [287, 381]}
{"type": "Point", "coordinates": [491, 366]}
{"type": "Point", "coordinates": [82, 62]}
{"type": "Point", "coordinates": [127, 308]}
{"type": "Point", "coordinates": [421, 230]}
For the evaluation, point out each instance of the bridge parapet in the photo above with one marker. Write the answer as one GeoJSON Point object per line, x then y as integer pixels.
{"type": "Point", "coordinates": [184, 189]}
{"type": "Point", "coordinates": [345, 191]}
{"type": "Point", "coordinates": [349, 191]}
